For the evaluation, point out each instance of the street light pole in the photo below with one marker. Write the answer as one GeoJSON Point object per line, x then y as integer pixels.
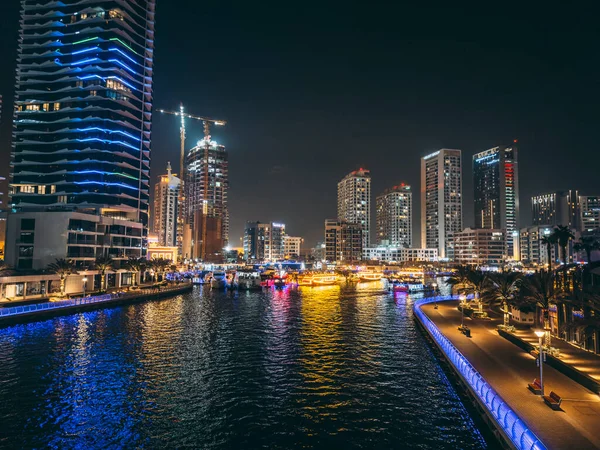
{"type": "Point", "coordinates": [463, 297]}
{"type": "Point", "coordinates": [540, 334]}
{"type": "Point", "coordinates": [84, 285]}
{"type": "Point", "coordinates": [434, 285]}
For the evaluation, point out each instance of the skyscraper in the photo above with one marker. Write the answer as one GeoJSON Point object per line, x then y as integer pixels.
{"type": "Point", "coordinates": [496, 191]}
{"type": "Point", "coordinates": [84, 107]}
{"type": "Point", "coordinates": [394, 217]}
{"type": "Point", "coordinates": [354, 201]}
{"type": "Point", "coordinates": [557, 208]}
{"type": "Point", "coordinates": [166, 209]}
{"type": "Point", "coordinates": [206, 186]}
{"type": "Point", "coordinates": [81, 152]}
{"type": "Point", "coordinates": [441, 200]}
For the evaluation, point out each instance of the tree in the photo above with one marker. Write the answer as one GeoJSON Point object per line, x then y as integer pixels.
{"type": "Point", "coordinates": [478, 280]}
{"type": "Point", "coordinates": [460, 281]}
{"type": "Point", "coordinates": [587, 244]}
{"type": "Point", "coordinates": [539, 290]}
{"type": "Point", "coordinates": [104, 263]}
{"type": "Point", "coordinates": [136, 265]}
{"type": "Point", "coordinates": [503, 289]}
{"type": "Point", "coordinates": [563, 235]}
{"type": "Point", "coordinates": [549, 241]}
{"type": "Point", "coordinates": [160, 265]}
{"type": "Point", "coordinates": [63, 268]}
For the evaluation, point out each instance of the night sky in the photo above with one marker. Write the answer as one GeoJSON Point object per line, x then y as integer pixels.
{"type": "Point", "coordinates": [313, 92]}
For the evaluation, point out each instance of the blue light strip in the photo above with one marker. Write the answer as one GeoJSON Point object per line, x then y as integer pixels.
{"type": "Point", "coordinates": [108, 141]}
{"type": "Point", "coordinates": [85, 50]}
{"type": "Point", "coordinates": [83, 61]}
{"type": "Point", "coordinates": [123, 53]}
{"type": "Point", "coordinates": [123, 64]}
{"type": "Point", "coordinates": [112, 77]}
{"type": "Point", "coordinates": [104, 183]}
{"type": "Point", "coordinates": [103, 130]}
{"type": "Point", "coordinates": [513, 426]}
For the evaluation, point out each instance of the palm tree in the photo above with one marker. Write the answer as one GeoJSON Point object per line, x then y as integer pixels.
{"type": "Point", "coordinates": [136, 265]}
{"type": "Point", "coordinates": [460, 281]}
{"type": "Point", "coordinates": [587, 244]}
{"type": "Point", "coordinates": [503, 289]}
{"type": "Point", "coordinates": [563, 235]}
{"type": "Point", "coordinates": [63, 268]}
{"type": "Point", "coordinates": [104, 263]}
{"type": "Point", "coordinates": [160, 265]}
{"type": "Point", "coordinates": [549, 241]}
{"type": "Point", "coordinates": [539, 290]}
{"type": "Point", "coordinates": [478, 281]}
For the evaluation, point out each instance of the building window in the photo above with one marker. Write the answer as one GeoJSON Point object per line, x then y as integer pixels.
{"type": "Point", "coordinates": [27, 224]}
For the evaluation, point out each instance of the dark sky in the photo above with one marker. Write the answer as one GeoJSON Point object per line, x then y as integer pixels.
{"type": "Point", "coordinates": [312, 92]}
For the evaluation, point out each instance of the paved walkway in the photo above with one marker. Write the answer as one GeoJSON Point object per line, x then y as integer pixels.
{"type": "Point", "coordinates": [509, 369]}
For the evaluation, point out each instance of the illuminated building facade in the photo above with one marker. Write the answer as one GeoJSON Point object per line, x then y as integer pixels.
{"type": "Point", "coordinates": [557, 208]}
{"type": "Point", "coordinates": [83, 107]}
{"type": "Point", "coordinates": [532, 249]}
{"type": "Point", "coordinates": [206, 187]}
{"type": "Point", "coordinates": [292, 245]}
{"type": "Point", "coordinates": [590, 213]}
{"type": "Point", "coordinates": [264, 242]}
{"type": "Point", "coordinates": [496, 191]}
{"type": "Point", "coordinates": [394, 217]}
{"type": "Point", "coordinates": [354, 201]}
{"type": "Point", "coordinates": [480, 247]}
{"type": "Point", "coordinates": [166, 209]}
{"type": "Point", "coordinates": [400, 254]}
{"type": "Point", "coordinates": [343, 241]}
{"type": "Point", "coordinates": [441, 200]}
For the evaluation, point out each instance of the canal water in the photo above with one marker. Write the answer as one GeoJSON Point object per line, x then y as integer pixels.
{"type": "Point", "coordinates": [312, 368]}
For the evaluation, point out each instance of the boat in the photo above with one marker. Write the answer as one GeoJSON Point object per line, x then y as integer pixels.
{"type": "Point", "coordinates": [317, 279]}
{"type": "Point", "coordinates": [370, 276]}
{"type": "Point", "coordinates": [218, 280]}
{"type": "Point", "coordinates": [248, 280]}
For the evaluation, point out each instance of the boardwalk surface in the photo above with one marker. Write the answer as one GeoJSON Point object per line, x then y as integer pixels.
{"type": "Point", "coordinates": [509, 369]}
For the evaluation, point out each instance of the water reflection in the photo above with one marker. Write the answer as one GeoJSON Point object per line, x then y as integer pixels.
{"type": "Point", "coordinates": [323, 367]}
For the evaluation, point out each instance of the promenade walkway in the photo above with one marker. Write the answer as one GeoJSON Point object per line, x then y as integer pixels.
{"type": "Point", "coordinates": [508, 369]}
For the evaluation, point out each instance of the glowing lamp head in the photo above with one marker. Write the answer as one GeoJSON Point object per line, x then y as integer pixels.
{"type": "Point", "coordinates": [84, 279]}
{"type": "Point", "coordinates": [539, 333]}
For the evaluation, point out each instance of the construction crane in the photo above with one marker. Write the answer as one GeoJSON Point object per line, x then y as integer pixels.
{"type": "Point", "coordinates": [206, 122]}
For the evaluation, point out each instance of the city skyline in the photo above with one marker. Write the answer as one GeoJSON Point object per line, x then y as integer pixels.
{"type": "Point", "coordinates": [365, 135]}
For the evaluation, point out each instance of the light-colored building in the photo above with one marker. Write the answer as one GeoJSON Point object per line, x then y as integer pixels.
{"type": "Point", "coordinates": [532, 249]}
{"type": "Point", "coordinates": [394, 217]}
{"type": "Point", "coordinates": [264, 242]}
{"type": "Point", "coordinates": [343, 241]}
{"type": "Point", "coordinates": [590, 213]}
{"type": "Point", "coordinates": [292, 245]}
{"type": "Point", "coordinates": [400, 254]}
{"type": "Point", "coordinates": [166, 209]}
{"type": "Point", "coordinates": [496, 191]}
{"type": "Point", "coordinates": [480, 247]}
{"type": "Point", "coordinates": [354, 201]}
{"type": "Point", "coordinates": [36, 239]}
{"type": "Point", "coordinates": [318, 251]}
{"type": "Point", "coordinates": [441, 200]}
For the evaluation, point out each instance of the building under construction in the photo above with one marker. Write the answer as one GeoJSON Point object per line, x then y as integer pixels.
{"type": "Point", "coordinates": [206, 184]}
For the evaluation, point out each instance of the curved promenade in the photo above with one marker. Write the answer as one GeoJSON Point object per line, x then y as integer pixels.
{"type": "Point", "coordinates": [496, 373]}
{"type": "Point", "coordinates": [507, 421]}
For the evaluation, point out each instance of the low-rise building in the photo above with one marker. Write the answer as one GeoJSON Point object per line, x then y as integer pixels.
{"type": "Point", "coordinates": [480, 247]}
{"type": "Point", "coordinates": [292, 245]}
{"type": "Point", "coordinates": [396, 254]}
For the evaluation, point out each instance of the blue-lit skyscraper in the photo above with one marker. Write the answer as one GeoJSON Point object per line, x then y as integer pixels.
{"type": "Point", "coordinates": [83, 107]}
{"type": "Point", "coordinates": [496, 183]}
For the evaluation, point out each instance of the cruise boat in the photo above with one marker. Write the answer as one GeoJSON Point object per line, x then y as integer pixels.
{"type": "Point", "coordinates": [317, 279]}
{"type": "Point", "coordinates": [248, 280]}
{"type": "Point", "coordinates": [370, 276]}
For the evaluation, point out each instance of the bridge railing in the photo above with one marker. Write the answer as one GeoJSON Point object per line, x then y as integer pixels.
{"type": "Point", "coordinates": [508, 420]}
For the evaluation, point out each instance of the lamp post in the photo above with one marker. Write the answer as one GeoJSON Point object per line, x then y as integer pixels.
{"type": "Point", "coordinates": [462, 297]}
{"type": "Point", "coordinates": [434, 286]}
{"type": "Point", "coordinates": [84, 285]}
{"type": "Point", "coordinates": [540, 334]}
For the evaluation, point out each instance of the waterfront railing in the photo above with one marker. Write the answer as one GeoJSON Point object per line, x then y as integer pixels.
{"type": "Point", "coordinates": [38, 307]}
{"type": "Point", "coordinates": [507, 419]}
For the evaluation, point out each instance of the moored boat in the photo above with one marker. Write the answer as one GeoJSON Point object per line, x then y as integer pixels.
{"type": "Point", "coordinates": [317, 279]}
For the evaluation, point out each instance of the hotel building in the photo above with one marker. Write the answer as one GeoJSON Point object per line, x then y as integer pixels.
{"type": "Point", "coordinates": [394, 217]}
{"type": "Point", "coordinates": [557, 208]}
{"type": "Point", "coordinates": [441, 200]}
{"type": "Point", "coordinates": [354, 201]}
{"type": "Point", "coordinates": [496, 191]}
{"type": "Point", "coordinates": [480, 247]}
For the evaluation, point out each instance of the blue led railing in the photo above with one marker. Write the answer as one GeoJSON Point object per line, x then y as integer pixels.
{"type": "Point", "coordinates": [508, 420]}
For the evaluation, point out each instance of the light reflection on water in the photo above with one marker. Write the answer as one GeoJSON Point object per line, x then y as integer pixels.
{"type": "Point", "coordinates": [317, 367]}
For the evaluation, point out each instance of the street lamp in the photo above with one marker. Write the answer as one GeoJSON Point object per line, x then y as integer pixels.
{"type": "Point", "coordinates": [84, 285]}
{"type": "Point", "coordinates": [462, 298]}
{"type": "Point", "coordinates": [434, 286]}
{"type": "Point", "coordinates": [540, 334]}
